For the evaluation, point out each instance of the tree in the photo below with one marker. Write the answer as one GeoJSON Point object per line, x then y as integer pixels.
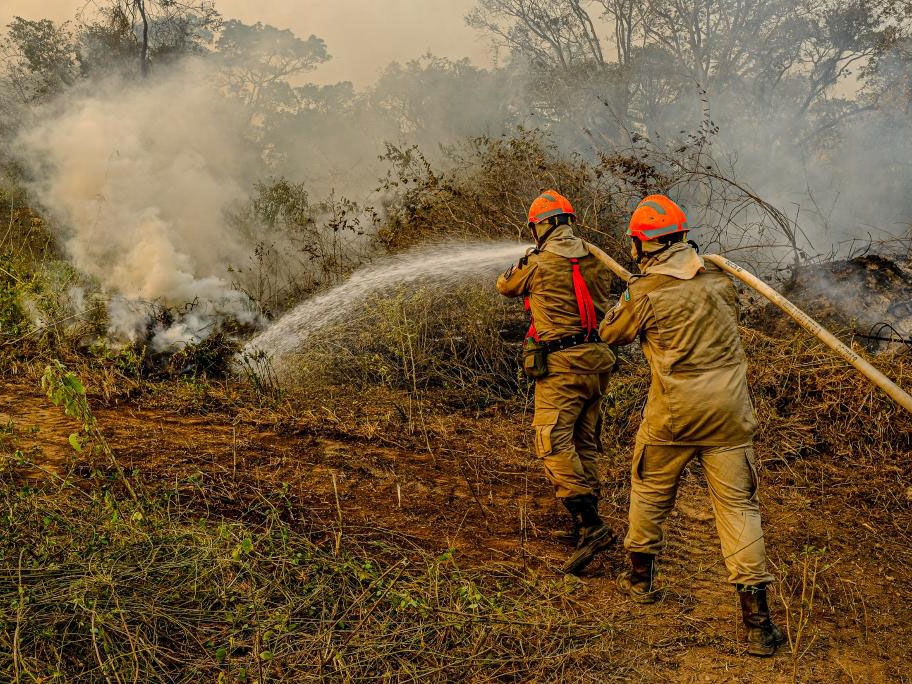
{"type": "Point", "coordinates": [39, 57]}
{"type": "Point", "coordinates": [108, 44]}
{"type": "Point", "coordinates": [260, 60]}
{"type": "Point", "coordinates": [627, 18]}
{"type": "Point", "coordinates": [165, 28]}
{"type": "Point", "coordinates": [763, 57]}
{"type": "Point", "coordinates": [432, 97]}
{"type": "Point", "coordinates": [550, 33]}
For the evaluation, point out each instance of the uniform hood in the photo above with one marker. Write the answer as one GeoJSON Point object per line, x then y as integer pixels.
{"type": "Point", "coordinates": [678, 261]}
{"type": "Point", "coordinates": [564, 243]}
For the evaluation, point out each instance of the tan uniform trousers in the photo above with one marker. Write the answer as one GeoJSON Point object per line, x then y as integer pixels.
{"type": "Point", "coordinates": [567, 430]}
{"type": "Point", "coordinates": [732, 479]}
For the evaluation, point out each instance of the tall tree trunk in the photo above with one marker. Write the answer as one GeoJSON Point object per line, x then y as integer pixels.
{"type": "Point", "coordinates": [144, 53]}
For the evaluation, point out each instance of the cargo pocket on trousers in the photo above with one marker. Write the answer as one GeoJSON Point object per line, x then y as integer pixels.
{"type": "Point", "coordinates": [544, 422]}
{"type": "Point", "coordinates": [639, 456]}
{"type": "Point", "coordinates": [599, 424]}
{"type": "Point", "coordinates": [752, 472]}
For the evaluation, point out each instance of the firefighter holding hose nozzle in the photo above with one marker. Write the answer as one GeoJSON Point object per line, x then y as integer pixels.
{"type": "Point", "coordinates": [685, 313]}
{"type": "Point", "coordinates": [567, 291]}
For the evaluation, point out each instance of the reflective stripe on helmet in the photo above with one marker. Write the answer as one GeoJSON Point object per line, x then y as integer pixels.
{"type": "Point", "coordinates": [652, 233]}
{"type": "Point", "coordinates": [655, 205]}
{"type": "Point", "coordinates": [548, 214]}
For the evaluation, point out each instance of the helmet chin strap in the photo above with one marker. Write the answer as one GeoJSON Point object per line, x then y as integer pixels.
{"type": "Point", "coordinates": [641, 254]}
{"type": "Point", "coordinates": [552, 226]}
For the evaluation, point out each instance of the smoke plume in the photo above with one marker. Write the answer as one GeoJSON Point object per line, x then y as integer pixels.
{"type": "Point", "coordinates": [137, 177]}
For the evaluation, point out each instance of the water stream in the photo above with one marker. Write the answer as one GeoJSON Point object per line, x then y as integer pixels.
{"type": "Point", "coordinates": [439, 264]}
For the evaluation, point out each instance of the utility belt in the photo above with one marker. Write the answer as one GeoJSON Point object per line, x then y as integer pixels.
{"type": "Point", "coordinates": [571, 341]}
{"type": "Point", "coordinates": [535, 353]}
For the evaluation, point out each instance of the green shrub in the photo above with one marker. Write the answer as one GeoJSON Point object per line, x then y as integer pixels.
{"type": "Point", "coordinates": [13, 322]}
{"type": "Point", "coordinates": [298, 246]}
{"type": "Point", "coordinates": [489, 183]}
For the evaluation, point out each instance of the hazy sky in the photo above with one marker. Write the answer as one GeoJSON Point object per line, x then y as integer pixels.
{"type": "Point", "coordinates": [363, 36]}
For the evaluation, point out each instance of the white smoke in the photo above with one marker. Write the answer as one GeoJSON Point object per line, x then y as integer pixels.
{"type": "Point", "coordinates": [137, 177]}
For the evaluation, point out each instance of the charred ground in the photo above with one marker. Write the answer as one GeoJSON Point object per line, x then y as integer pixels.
{"type": "Point", "coordinates": [870, 295]}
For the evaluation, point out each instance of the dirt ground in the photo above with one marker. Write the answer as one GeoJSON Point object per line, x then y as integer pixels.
{"type": "Point", "coordinates": [442, 479]}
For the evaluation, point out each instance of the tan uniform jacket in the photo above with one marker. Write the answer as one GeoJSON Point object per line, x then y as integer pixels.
{"type": "Point", "coordinates": [685, 314]}
{"type": "Point", "coordinates": [547, 279]}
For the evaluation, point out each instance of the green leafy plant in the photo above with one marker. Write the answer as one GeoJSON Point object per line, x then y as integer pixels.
{"type": "Point", "coordinates": [12, 318]}
{"type": "Point", "coordinates": [65, 389]}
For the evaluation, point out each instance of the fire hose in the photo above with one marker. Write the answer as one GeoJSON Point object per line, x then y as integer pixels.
{"type": "Point", "coordinates": [890, 388]}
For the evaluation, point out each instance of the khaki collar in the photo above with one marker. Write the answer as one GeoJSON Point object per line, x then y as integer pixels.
{"type": "Point", "coordinates": [564, 243]}
{"type": "Point", "coordinates": [678, 261]}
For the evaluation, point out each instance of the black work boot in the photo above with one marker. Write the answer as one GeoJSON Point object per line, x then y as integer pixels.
{"type": "Point", "coordinates": [571, 535]}
{"type": "Point", "coordinates": [763, 636]}
{"type": "Point", "coordinates": [595, 536]}
{"type": "Point", "coordinates": [639, 582]}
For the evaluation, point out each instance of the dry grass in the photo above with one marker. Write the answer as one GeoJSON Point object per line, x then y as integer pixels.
{"type": "Point", "coordinates": [104, 591]}
{"type": "Point", "coordinates": [459, 341]}
{"type": "Point", "coordinates": [243, 559]}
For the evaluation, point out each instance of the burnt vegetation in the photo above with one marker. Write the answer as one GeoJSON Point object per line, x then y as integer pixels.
{"type": "Point", "coordinates": [371, 509]}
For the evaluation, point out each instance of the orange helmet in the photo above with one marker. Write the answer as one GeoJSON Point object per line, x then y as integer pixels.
{"type": "Point", "coordinates": [656, 216]}
{"type": "Point", "coordinates": [548, 204]}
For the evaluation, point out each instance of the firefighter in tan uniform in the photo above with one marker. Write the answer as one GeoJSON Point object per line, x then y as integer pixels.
{"type": "Point", "coordinates": [684, 312]}
{"type": "Point", "coordinates": [567, 291]}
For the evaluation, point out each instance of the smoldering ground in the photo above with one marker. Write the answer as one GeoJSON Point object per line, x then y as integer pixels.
{"type": "Point", "coordinates": [138, 179]}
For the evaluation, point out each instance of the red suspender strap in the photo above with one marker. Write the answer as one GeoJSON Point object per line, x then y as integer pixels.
{"type": "Point", "coordinates": [533, 333]}
{"type": "Point", "coordinates": [588, 318]}
{"type": "Point", "coordinates": [584, 300]}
